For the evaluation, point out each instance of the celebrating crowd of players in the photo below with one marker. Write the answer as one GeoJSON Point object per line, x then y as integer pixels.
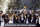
{"type": "Point", "coordinates": [23, 17]}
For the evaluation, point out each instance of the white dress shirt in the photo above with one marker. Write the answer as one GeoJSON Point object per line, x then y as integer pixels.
{"type": "Point", "coordinates": [11, 21]}
{"type": "Point", "coordinates": [36, 20]}
{"type": "Point", "coordinates": [22, 16]}
{"type": "Point", "coordinates": [2, 23]}
{"type": "Point", "coordinates": [27, 20]}
{"type": "Point", "coordinates": [31, 20]}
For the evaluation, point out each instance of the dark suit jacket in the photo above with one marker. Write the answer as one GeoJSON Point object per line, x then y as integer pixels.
{"type": "Point", "coordinates": [34, 20]}
{"type": "Point", "coordinates": [14, 19]}
{"type": "Point", "coordinates": [29, 19]}
{"type": "Point", "coordinates": [7, 19]}
{"type": "Point", "coordinates": [38, 25]}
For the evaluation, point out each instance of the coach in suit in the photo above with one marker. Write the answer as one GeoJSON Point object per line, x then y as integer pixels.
{"type": "Point", "coordinates": [37, 21]}
{"type": "Point", "coordinates": [28, 20]}
{"type": "Point", "coordinates": [33, 19]}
